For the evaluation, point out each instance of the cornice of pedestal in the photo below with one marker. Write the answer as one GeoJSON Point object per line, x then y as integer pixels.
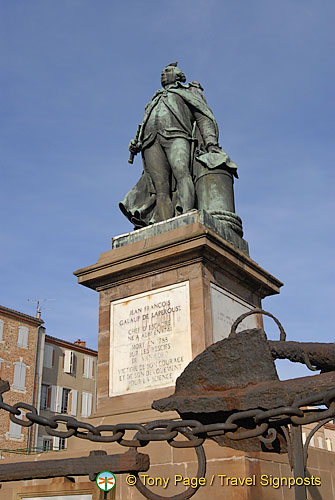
{"type": "Point", "coordinates": [178, 247]}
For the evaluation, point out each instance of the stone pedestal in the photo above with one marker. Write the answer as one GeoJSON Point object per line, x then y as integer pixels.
{"type": "Point", "coordinates": [167, 292]}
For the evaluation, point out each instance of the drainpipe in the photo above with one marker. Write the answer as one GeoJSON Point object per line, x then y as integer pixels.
{"type": "Point", "coordinates": [39, 358]}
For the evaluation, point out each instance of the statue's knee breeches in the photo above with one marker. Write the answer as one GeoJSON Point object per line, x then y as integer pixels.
{"type": "Point", "coordinates": [157, 166]}
{"type": "Point", "coordinates": [178, 153]}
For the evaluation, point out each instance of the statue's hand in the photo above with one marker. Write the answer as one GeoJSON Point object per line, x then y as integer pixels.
{"type": "Point", "coordinates": [135, 146]}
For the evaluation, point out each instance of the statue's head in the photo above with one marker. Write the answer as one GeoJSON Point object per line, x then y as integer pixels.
{"type": "Point", "coordinates": [172, 74]}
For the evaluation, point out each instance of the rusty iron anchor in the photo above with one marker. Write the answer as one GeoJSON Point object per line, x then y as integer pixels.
{"type": "Point", "coordinates": [238, 374]}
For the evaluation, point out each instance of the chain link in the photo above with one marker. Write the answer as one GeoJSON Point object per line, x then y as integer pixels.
{"type": "Point", "coordinates": [239, 425]}
{"type": "Point", "coordinates": [19, 421]}
{"type": "Point", "coordinates": [51, 427]}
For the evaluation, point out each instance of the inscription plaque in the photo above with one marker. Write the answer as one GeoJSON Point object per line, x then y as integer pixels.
{"type": "Point", "coordinates": [226, 308]}
{"type": "Point", "coordinates": [150, 339]}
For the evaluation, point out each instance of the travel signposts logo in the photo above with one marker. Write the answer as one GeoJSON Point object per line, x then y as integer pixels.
{"type": "Point", "coordinates": [106, 481]}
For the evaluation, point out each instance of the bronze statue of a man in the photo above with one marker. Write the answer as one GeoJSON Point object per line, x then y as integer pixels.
{"type": "Point", "coordinates": [178, 139]}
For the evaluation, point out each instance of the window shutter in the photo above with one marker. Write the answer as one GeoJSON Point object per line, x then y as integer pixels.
{"type": "Point", "coordinates": [19, 339]}
{"type": "Point", "coordinates": [19, 375]}
{"type": "Point", "coordinates": [48, 356]}
{"type": "Point", "coordinates": [59, 395]}
{"type": "Point", "coordinates": [68, 361]}
{"type": "Point", "coordinates": [15, 429]}
{"type": "Point", "coordinates": [53, 358]}
{"type": "Point", "coordinates": [89, 404]}
{"type": "Point", "coordinates": [84, 404]}
{"type": "Point", "coordinates": [88, 367]}
{"type": "Point", "coordinates": [23, 336]}
{"type": "Point", "coordinates": [69, 402]}
{"type": "Point", "coordinates": [53, 398]}
{"type": "Point", "coordinates": [1, 328]}
{"type": "Point", "coordinates": [23, 376]}
{"type": "Point", "coordinates": [92, 367]}
{"type": "Point", "coordinates": [17, 370]}
{"type": "Point", "coordinates": [55, 443]}
{"type": "Point", "coordinates": [74, 400]}
{"type": "Point", "coordinates": [72, 358]}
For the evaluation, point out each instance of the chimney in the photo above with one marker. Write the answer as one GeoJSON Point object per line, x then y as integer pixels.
{"type": "Point", "coordinates": [81, 343]}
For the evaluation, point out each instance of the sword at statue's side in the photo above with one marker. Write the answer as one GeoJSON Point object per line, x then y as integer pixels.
{"type": "Point", "coordinates": [132, 155]}
{"type": "Point", "coordinates": [193, 144]}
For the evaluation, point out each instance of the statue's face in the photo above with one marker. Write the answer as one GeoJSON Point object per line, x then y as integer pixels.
{"type": "Point", "coordinates": [168, 75]}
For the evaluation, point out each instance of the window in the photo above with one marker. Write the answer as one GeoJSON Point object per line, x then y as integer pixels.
{"type": "Point", "coordinates": [49, 356]}
{"type": "Point", "coordinates": [86, 404]}
{"type": "Point", "coordinates": [65, 400]}
{"type": "Point", "coordinates": [1, 329]}
{"type": "Point", "coordinates": [59, 443]}
{"type": "Point", "coordinates": [19, 376]}
{"type": "Point", "coordinates": [45, 397]}
{"type": "Point", "coordinates": [15, 429]}
{"type": "Point", "coordinates": [22, 340]}
{"type": "Point", "coordinates": [88, 366]}
{"type": "Point", "coordinates": [62, 443]}
{"type": "Point", "coordinates": [47, 444]}
{"type": "Point", "coordinates": [69, 362]}
{"type": "Point", "coordinates": [62, 400]}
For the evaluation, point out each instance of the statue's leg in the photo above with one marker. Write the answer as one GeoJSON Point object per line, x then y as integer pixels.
{"type": "Point", "coordinates": [157, 166]}
{"type": "Point", "coordinates": [178, 153]}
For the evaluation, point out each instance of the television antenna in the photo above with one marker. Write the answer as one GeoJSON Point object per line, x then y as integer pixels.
{"type": "Point", "coordinates": [38, 303]}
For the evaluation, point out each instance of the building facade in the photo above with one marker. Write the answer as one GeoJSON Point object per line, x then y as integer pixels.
{"type": "Point", "coordinates": [55, 376]}
{"type": "Point", "coordinates": [20, 337]}
{"type": "Point", "coordinates": [68, 386]}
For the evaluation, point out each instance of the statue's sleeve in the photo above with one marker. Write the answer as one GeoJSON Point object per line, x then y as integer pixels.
{"type": "Point", "coordinates": [207, 128]}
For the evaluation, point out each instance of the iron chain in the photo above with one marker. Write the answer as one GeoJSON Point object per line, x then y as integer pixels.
{"type": "Point", "coordinates": [236, 427]}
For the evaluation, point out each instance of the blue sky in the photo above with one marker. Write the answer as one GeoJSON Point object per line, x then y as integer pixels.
{"type": "Point", "coordinates": [75, 76]}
